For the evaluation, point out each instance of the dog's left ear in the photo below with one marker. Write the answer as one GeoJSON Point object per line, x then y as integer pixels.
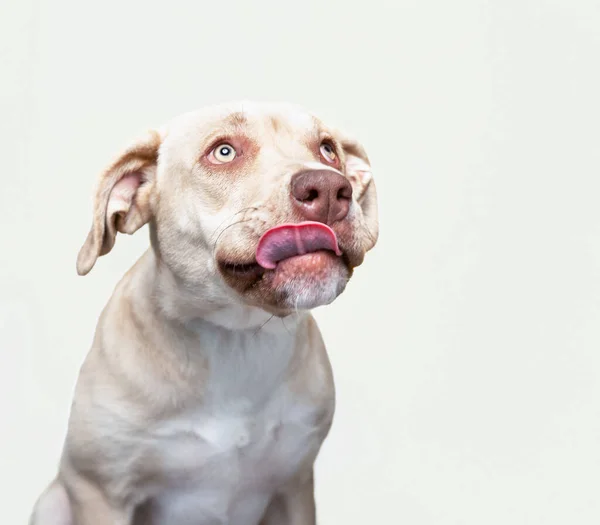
{"type": "Point", "coordinates": [358, 171]}
{"type": "Point", "coordinates": [122, 201]}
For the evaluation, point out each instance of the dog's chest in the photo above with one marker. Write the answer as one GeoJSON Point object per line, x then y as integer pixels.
{"type": "Point", "coordinates": [222, 462]}
{"type": "Point", "coordinates": [224, 467]}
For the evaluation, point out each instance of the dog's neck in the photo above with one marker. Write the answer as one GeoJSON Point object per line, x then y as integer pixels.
{"type": "Point", "coordinates": [209, 302]}
{"type": "Point", "coordinates": [247, 349]}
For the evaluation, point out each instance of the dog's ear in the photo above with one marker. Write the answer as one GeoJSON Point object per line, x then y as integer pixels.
{"type": "Point", "coordinates": [358, 171]}
{"type": "Point", "coordinates": [122, 199]}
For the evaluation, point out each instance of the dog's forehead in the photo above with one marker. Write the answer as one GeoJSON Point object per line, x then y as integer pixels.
{"type": "Point", "coordinates": [259, 117]}
{"type": "Point", "coordinates": [282, 117]}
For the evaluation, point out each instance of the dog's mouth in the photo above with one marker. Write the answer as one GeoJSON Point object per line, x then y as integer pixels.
{"type": "Point", "coordinates": [302, 244]}
{"type": "Point", "coordinates": [292, 240]}
{"type": "Point", "coordinates": [294, 266]}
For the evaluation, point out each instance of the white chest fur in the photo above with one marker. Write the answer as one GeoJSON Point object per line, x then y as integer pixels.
{"type": "Point", "coordinates": [221, 462]}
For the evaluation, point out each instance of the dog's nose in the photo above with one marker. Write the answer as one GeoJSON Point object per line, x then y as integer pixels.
{"type": "Point", "coordinates": [321, 195]}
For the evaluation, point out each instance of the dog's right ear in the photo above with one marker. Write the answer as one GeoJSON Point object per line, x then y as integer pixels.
{"type": "Point", "coordinates": [122, 199]}
{"type": "Point", "coordinates": [358, 170]}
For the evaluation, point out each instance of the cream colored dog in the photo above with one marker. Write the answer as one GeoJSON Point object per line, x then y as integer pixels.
{"type": "Point", "coordinates": [208, 392]}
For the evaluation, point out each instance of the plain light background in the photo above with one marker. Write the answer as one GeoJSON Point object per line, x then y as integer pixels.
{"type": "Point", "coordinates": [466, 350]}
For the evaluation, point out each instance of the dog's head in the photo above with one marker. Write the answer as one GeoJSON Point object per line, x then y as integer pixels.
{"type": "Point", "coordinates": [263, 203]}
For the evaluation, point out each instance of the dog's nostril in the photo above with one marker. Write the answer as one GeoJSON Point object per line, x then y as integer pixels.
{"type": "Point", "coordinates": [312, 195]}
{"type": "Point", "coordinates": [344, 194]}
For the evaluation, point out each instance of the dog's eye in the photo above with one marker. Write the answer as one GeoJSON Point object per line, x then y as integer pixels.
{"type": "Point", "coordinates": [224, 153]}
{"type": "Point", "coordinates": [328, 152]}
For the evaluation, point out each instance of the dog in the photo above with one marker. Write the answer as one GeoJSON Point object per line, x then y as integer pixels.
{"type": "Point", "coordinates": [207, 392]}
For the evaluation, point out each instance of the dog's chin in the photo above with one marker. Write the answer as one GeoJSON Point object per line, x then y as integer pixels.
{"type": "Point", "coordinates": [311, 280]}
{"type": "Point", "coordinates": [301, 282]}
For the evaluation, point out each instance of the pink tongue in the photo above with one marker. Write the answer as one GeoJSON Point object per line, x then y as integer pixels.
{"type": "Point", "coordinates": [288, 240]}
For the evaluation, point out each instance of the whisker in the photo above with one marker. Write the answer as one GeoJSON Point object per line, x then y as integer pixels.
{"type": "Point", "coordinates": [243, 210]}
{"type": "Point", "coordinates": [285, 326]}
{"type": "Point", "coordinates": [263, 325]}
{"type": "Point", "coordinates": [225, 229]}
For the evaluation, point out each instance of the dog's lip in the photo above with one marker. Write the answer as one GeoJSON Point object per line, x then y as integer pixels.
{"type": "Point", "coordinates": [242, 269]}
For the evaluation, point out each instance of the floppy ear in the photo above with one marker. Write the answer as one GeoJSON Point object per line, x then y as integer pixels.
{"type": "Point", "coordinates": [122, 199]}
{"type": "Point", "coordinates": [358, 171]}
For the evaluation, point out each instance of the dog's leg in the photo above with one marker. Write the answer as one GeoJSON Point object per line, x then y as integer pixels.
{"type": "Point", "coordinates": [52, 507]}
{"type": "Point", "coordinates": [294, 506]}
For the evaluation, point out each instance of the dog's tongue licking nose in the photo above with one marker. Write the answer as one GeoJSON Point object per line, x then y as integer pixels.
{"type": "Point", "coordinates": [289, 240]}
